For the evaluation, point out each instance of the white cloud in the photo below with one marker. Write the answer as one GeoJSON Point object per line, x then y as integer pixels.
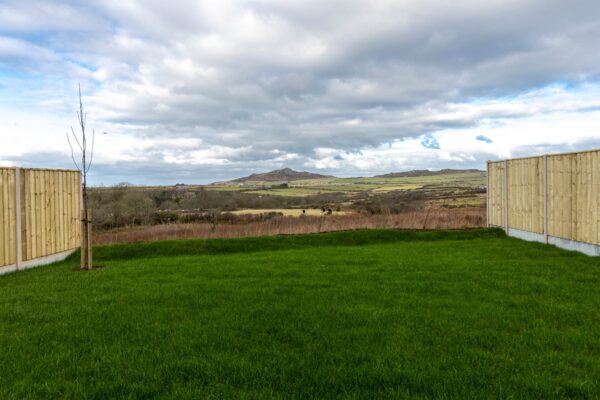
{"type": "Point", "coordinates": [343, 86]}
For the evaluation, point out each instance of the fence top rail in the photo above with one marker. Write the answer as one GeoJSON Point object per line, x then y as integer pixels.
{"type": "Point", "coordinates": [41, 169]}
{"type": "Point", "coordinates": [569, 153]}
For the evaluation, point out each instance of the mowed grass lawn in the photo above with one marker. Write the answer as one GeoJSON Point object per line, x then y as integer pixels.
{"type": "Point", "coordinates": [366, 314]}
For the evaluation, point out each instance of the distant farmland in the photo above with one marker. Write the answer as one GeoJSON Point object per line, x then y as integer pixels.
{"type": "Point", "coordinates": [256, 207]}
{"type": "Point", "coordinates": [443, 182]}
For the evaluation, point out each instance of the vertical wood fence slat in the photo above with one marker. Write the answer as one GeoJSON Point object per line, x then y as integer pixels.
{"type": "Point", "coordinates": [8, 217]}
{"type": "Point", "coordinates": [505, 196]}
{"type": "Point", "coordinates": [18, 227]}
{"type": "Point", "coordinates": [11, 215]}
{"type": "Point", "coordinates": [487, 197]}
{"type": "Point", "coordinates": [3, 255]}
{"type": "Point", "coordinates": [595, 227]}
{"type": "Point", "coordinates": [545, 201]}
{"type": "Point", "coordinates": [6, 234]}
{"type": "Point", "coordinates": [495, 197]}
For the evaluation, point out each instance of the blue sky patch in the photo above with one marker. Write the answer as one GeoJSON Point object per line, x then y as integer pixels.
{"type": "Point", "coordinates": [484, 139]}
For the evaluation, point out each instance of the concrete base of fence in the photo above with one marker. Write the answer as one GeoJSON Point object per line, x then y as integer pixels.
{"type": "Point", "coordinates": [37, 262]}
{"type": "Point", "coordinates": [7, 269]}
{"type": "Point", "coordinates": [585, 248]}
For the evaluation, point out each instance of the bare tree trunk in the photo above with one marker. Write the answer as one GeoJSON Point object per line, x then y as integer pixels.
{"type": "Point", "coordinates": [86, 252]}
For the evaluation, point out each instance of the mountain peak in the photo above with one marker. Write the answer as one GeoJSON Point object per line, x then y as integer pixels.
{"type": "Point", "coordinates": [284, 174]}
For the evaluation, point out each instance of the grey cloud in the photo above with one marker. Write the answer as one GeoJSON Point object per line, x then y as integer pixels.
{"type": "Point", "coordinates": [295, 76]}
{"type": "Point", "coordinates": [484, 139]}
{"type": "Point", "coordinates": [554, 149]}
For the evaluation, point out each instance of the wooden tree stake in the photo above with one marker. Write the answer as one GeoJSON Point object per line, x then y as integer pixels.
{"type": "Point", "coordinates": [86, 239]}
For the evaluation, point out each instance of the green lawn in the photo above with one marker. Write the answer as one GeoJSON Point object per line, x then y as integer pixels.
{"type": "Point", "coordinates": [368, 314]}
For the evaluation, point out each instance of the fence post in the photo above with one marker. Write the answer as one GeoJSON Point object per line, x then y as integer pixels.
{"type": "Point", "coordinates": [505, 195]}
{"type": "Point", "coordinates": [487, 196]}
{"type": "Point", "coordinates": [18, 245]}
{"type": "Point", "coordinates": [545, 158]}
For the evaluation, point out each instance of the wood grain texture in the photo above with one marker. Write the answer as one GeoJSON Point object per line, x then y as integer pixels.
{"type": "Point", "coordinates": [496, 193]}
{"type": "Point", "coordinates": [49, 203]}
{"type": "Point", "coordinates": [7, 217]}
{"type": "Point", "coordinates": [526, 194]}
{"type": "Point", "coordinates": [572, 195]}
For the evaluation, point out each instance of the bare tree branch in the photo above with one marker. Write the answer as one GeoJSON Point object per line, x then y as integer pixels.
{"type": "Point", "coordinates": [92, 149]}
{"type": "Point", "coordinates": [72, 154]}
{"type": "Point", "coordinates": [75, 137]}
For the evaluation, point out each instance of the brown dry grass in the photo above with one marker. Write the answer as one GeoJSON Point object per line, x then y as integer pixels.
{"type": "Point", "coordinates": [458, 218]}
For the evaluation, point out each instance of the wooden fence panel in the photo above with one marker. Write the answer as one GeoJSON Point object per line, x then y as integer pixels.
{"type": "Point", "coordinates": [526, 194]}
{"type": "Point", "coordinates": [48, 213]}
{"type": "Point", "coordinates": [8, 254]}
{"type": "Point", "coordinates": [495, 193]}
{"type": "Point", "coordinates": [574, 184]}
{"type": "Point", "coordinates": [560, 196]}
{"type": "Point", "coordinates": [588, 195]}
{"type": "Point", "coordinates": [568, 196]}
{"type": "Point", "coordinates": [51, 206]}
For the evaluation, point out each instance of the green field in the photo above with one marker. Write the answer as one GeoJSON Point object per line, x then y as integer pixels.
{"type": "Point", "coordinates": [365, 314]}
{"type": "Point", "coordinates": [124, 207]}
{"type": "Point", "coordinates": [289, 212]}
{"type": "Point", "coordinates": [308, 187]}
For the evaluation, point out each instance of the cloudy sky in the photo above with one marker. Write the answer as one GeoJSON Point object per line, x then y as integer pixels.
{"type": "Point", "coordinates": [198, 91]}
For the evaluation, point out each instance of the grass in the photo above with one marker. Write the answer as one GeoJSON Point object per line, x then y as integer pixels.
{"type": "Point", "coordinates": [393, 188]}
{"type": "Point", "coordinates": [289, 212]}
{"type": "Point", "coordinates": [292, 191]}
{"type": "Point", "coordinates": [446, 218]}
{"type": "Point", "coordinates": [365, 314]}
{"type": "Point", "coordinates": [477, 200]}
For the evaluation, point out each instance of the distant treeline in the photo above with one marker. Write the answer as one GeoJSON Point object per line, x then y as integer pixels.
{"type": "Point", "coordinates": [123, 205]}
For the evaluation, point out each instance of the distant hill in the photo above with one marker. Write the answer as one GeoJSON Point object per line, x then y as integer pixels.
{"type": "Point", "coordinates": [425, 172]}
{"type": "Point", "coordinates": [286, 174]}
